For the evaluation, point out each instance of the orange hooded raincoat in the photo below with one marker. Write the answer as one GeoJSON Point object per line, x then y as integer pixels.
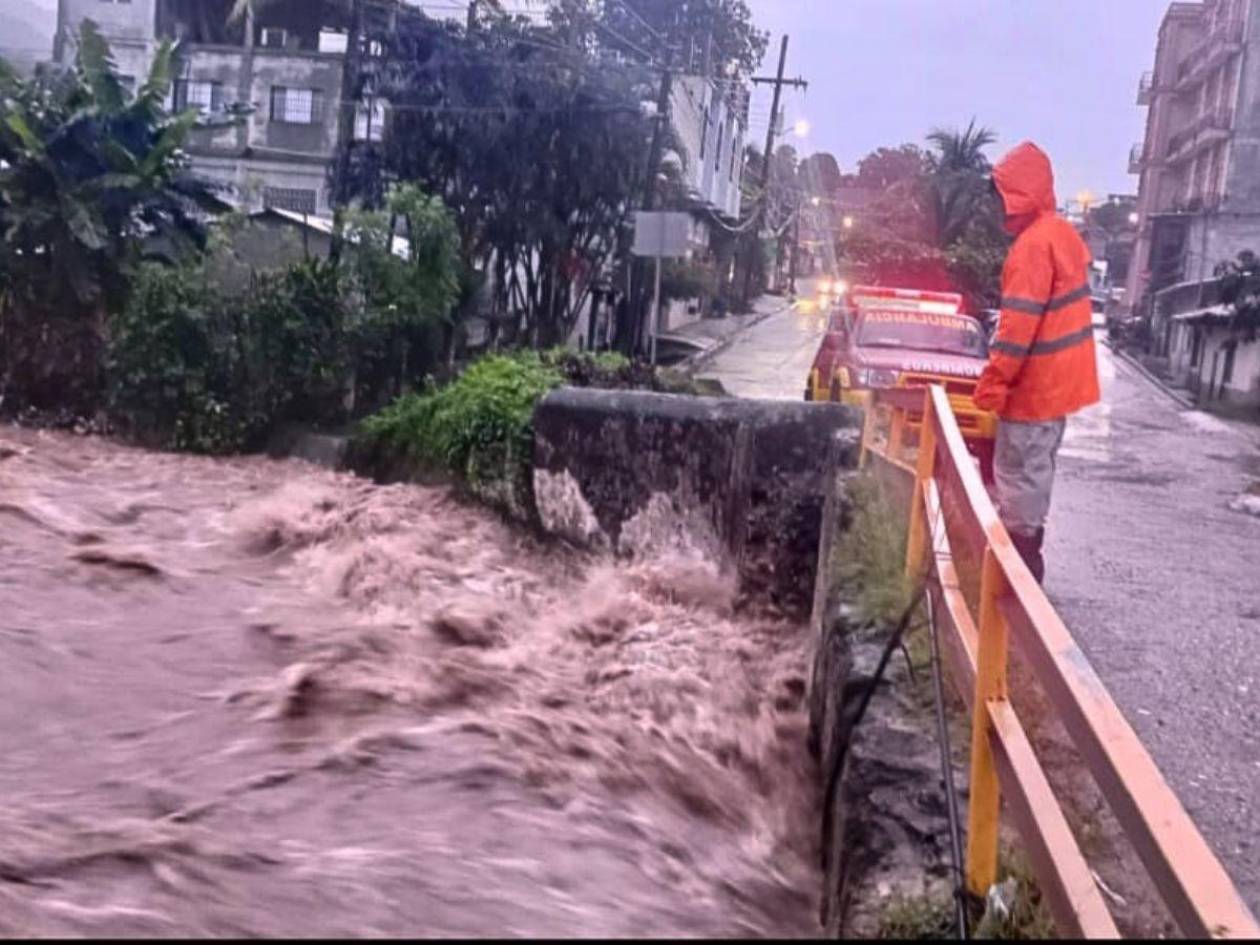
{"type": "Point", "coordinates": [1042, 363]}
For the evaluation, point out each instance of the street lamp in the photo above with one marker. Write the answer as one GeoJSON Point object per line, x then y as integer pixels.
{"type": "Point", "coordinates": [1134, 219]}
{"type": "Point", "coordinates": [847, 223]}
{"type": "Point", "coordinates": [815, 200]}
{"type": "Point", "coordinates": [801, 128]}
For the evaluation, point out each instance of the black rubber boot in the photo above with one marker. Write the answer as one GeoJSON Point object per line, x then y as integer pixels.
{"type": "Point", "coordinates": [1029, 548]}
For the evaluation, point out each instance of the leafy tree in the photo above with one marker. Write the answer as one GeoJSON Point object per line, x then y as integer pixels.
{"type": "Point", "coordinates": [1240, 290]}
{"type": "Point", "coordinates": [405, 260]}
{"type": "Point", "coordinates": [537, 148]}
{"type": "Point", "coordinates": [92, 178]}
{"type": "Point", "coordinates": [885, 167]}
{"type": "Point", "coordinates": [937, 225]}
{"type": "Point", "coordinates": [715, 37]}
{"type": "Point", "coordinates": [820, 173]}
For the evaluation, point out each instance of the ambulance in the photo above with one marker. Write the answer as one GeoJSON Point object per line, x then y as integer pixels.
{"type": "Point", "coordinates": [879, 338]}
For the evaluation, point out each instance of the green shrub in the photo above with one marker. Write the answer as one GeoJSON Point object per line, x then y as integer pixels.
{"type": "Point", "coordinates": [408, 301]}
{"type": "Point", "coordinates": [193, 369]}
{"type": "Point", "coordinates": [474, 426]}
{"type": "Point", "coordinates": [295, 342]}
{"type": "Point", "coordinates": [479, 427]}
{"type": "Point", "coordinates": [171, 364]}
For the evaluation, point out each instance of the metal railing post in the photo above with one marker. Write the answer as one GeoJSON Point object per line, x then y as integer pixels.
{"type": "Point", "coordinates": [917, 539]}
{"type": "Point", "coordinates": [986, 796]}
{"type": "Point", "coordinates": [868, 432]}
{"type": "Point", "coordinates": [896, 433]}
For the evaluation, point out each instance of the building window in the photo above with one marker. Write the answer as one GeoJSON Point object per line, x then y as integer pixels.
{"type": "Point", "coordinates": [297, 106]}
{"type": "Point", "coordinates": [115, 1]}
{"type": "Point", "coordinates": [203, 96]}
{"type": "Point", "coordinates": [369, 121]}
{"type": "Point", "coordinates": [274, 38]}
{"type": "Point", "coordinates": [333, 41]}
{"type": "Point", "coordinates": [1227, 374]}
{"type": "Point", "coordinates": [290, 198]}
{"type": "Point", "coordinates": [717, 151]}
{"type": "Point", "coordinates": [704, 131]}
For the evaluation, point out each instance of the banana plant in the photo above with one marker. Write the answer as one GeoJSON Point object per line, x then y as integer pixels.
{"type": "Point", "coordinates": [90, 174]}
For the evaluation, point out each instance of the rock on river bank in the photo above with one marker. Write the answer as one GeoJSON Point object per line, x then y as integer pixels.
{"type": "Point", "coordinates": [249, 697]}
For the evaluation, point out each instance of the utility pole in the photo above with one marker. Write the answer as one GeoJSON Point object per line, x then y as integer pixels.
{"type": "Point", "coordinates": [755, 238]}
{"type": "Point", "coordinates": [637, 303]}
{"type": "Point", "coordinates": [352, 69]}
{"type": "Point", "coordinates": [796, 246]}
{"type": "Point", "coordinates": [472, 15]}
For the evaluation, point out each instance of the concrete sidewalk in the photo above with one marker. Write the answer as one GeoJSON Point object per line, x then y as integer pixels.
{"type": "Point", "coordinates": [1178, 394]}
{"type": "Point", "coordinates": [711, 336]}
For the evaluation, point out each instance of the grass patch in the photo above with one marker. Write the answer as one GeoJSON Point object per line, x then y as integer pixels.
{"type": "Point", "coordinates": [871, 554]}
{"type": "Point", "coordinates": [926, 916]}
{"type": "Point", "coordinates": [930, 914]}
{"type": "Point", "coordinates": [1029, 916]}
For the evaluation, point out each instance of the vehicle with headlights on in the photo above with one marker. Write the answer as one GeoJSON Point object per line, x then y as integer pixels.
{"type": "Point", "coordinates": [880, 338]}
{"type": "Point", "coordinates": [832, 288]}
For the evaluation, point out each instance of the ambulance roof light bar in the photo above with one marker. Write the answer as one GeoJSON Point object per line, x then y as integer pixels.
{"type": "Point", "coordinates": [906, 300]}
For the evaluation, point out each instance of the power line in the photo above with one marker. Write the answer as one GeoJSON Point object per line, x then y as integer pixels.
{"type": "Point", "coordinates": [507, 109]}
{"type": "Point", "coordinates": [625, 5]}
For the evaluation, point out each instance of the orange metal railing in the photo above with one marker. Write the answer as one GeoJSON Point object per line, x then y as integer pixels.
{"type": "Point", "coordinates": [989, 605]}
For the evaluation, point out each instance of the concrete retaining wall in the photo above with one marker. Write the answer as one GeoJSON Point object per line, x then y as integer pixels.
{"type": "Point", "coordinates": [884, 826]}
{"type": "Point", "coordinates": [741, 481]}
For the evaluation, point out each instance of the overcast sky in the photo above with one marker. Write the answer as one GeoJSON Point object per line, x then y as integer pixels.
{"type": "Point", "coordinates": [1061, 72]}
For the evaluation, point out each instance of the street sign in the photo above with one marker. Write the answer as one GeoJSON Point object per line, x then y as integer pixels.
{"type": "Point", "coordinates": [661, 233]}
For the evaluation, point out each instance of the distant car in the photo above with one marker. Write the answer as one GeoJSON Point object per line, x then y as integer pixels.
{"type": "Point", "coordinates": [832, 287]}
{"type": "Point", "coordinates": [881, 338]}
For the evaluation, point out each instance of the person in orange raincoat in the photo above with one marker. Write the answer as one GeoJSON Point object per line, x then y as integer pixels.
{"type": "Point", "coordinates": [1042, 366]}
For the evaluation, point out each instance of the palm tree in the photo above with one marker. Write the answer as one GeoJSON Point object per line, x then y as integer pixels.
{"type": "Point", "coordinates": [961, 151]}
{"type": "Point", "coordinates": [957, 187]}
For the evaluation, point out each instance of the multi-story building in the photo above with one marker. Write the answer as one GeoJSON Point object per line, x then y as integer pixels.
{"type": "Point", "coordinates": [708, 122]}
{"type": "Point", "coordinates": [286, 64]}
{"type": "Point", "coordinates": [1199, 166]}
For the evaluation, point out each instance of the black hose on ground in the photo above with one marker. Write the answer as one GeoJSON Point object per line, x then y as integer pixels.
{"type": "Point", "coordinates": [947, 773]}
{"type": "Point", "coordinates": [837, 765]}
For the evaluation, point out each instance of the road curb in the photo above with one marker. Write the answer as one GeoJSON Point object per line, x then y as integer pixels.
{"type": "Point", "coordinates": [1162, 387]}
{"type": "Point", "coordinates": [699, 360]}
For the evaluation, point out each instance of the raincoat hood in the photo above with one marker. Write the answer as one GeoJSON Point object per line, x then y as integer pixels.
{"type": "Point", "coordinates": [1025, 180]}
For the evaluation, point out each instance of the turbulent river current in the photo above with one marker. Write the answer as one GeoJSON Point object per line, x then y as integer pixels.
{"type": "Point", "coordinates": [251, 697]}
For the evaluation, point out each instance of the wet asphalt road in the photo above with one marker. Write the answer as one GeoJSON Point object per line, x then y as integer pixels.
{"type": "Point", "coordinates": [1157, 579]}
{"type": "Point", "coordinates": [1152, 572]}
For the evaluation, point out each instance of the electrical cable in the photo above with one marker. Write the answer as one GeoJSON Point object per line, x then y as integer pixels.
{"type": "Point", "coordinates": [849, 727]}
{"type": "Point", "coordinates": [947, 775]}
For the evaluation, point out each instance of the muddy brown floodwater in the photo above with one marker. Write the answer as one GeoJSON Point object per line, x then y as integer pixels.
{"type": "Point", "coordinates": [249, 697]}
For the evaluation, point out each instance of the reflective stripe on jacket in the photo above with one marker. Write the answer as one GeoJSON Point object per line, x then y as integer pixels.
{"type": "Point", "coordinates": [1042, 364]}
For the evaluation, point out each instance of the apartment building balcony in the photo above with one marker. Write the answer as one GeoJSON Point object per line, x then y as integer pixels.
{"type": "Point", "coordinates": [1207, 129]}
{"type": "Point", "coordinates": [1223, 41]}
{"type": "Point", "coordinates": [1146, 88]}
{"type": "Point", "coordinates": [1136, 158]}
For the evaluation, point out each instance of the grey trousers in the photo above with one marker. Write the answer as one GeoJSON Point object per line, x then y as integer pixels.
{"type": "Point", "coordinates": [1023, 471]}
